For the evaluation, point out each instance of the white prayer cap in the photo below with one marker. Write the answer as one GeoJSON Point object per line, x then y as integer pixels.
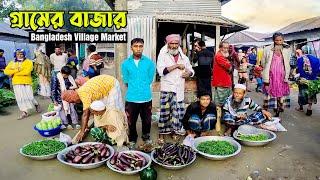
{"type": "Point", "coordinates": [98, 106]}
{"type": "Point", "coordinates": [240, 86]}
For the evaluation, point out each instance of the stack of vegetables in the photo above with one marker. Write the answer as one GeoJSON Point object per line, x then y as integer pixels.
{"type": "Point", "coordinates": [313, 87]}
{"type": "Point", "coordinates": [44, 147]}
{"type": "Point", "coordinates": [174, 154]}
{"type": "Point", "coordinates": [48, 125]}
{"type": "Point", "coordinates": [6, 97]}
{"type": "Point", "coordinates": [86, 154]}
{"type": "Point", "coordinates": [253, 137]}
{"type": "Point", "coordinates": [221, 148]}
{"type": "Point", "coordinates": [128, 161]}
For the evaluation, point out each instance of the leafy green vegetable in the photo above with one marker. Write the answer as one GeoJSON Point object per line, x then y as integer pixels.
{"type": "Point", "coordinates": [313, 87]}
{"type": "Point", "coordinates": [44, 147]}
{"type": "Point", "coordinates": [255, 137]}
{"type": "Point", "coordinates": [6, 97]}
{"type": "Point", "coordinates": [50, 107]}
{"type": "Point", "coordinates": [217, 147]}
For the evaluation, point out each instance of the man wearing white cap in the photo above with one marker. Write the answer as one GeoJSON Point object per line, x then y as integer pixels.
{"type": "Point", "coordinates": [111, 120]}
{"type": "Point", "coordinates": [236, 110]}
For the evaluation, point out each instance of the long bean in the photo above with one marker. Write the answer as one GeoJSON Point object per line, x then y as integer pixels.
{"type": "Point", "coordinates": [216, 147]}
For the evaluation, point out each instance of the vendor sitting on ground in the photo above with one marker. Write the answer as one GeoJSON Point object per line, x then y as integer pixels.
{"type": "Point", "coordinates": [200, 117]}
{"type": "Point", "coordinates": [103, 87]}
{"type": "Point", "coordinates": [236, 110]}
{"type": "Point", "coordinates": [112, 121]}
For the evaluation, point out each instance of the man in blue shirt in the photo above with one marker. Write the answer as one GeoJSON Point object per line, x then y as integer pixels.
{"type": "Point", "coordinates": [4, 80]}
{"type": "Point", "coordinates": [137, 73]}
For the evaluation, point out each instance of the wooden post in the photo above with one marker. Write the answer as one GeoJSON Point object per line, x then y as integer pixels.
{"type": "Point", "coordinates": [120, 51]}
{"type": "Point", "coordinates": [217, 37]}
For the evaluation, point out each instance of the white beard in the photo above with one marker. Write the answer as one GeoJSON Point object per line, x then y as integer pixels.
{"type": "Point", "coordinates": [173, 51]}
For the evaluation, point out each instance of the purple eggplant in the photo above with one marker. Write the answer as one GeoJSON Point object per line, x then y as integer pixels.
{"type": "Point", "coordinates": [114, 158]}
{"type": "Point", "coordinates": [87, 158]}
{"type": "Point", "coordinates": [77, 159]}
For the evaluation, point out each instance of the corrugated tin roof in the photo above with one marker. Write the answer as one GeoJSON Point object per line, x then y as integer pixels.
{"type": "Point", "coordinates": [6, 29]}
{"type": "Point", "coordinates": [246, 36]}
{"type": "Point", "coordinates": [153, 7]}
{"type": "Point", "coordinates": [304, 25]}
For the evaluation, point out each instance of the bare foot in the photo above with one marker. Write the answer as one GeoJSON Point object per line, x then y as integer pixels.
{"type": "Point", "coordinates": [228, 132]}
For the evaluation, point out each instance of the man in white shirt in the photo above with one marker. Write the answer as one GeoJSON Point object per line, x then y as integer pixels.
{"type": "Point", "coordinates": [58, 59]}
{"type": "Point", "coordinates": [173, 67]}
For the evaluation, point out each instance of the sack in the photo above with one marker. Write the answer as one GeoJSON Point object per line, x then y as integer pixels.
{"type": "Point", "coordinates": [273, 125]}
{"type": "Point", "coordinates": [189, 141]}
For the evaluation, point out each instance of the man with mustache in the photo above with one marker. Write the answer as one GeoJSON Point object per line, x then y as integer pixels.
{"type": "Point", "coordinates": [236, 110]}
{"type": "Point", "coordinates": [221, 75]}
{"type": "Point", "coordinates": [173, 67]}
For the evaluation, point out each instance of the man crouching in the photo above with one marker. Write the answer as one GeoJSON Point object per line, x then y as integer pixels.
{"type": "Point", "coordinates": [236, 110]}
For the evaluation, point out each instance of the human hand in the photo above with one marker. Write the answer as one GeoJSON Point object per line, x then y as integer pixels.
{"type": "Point", "coordinates": [80, 136]}
{"type": "Point", "coordinates": [186, 74]}
{"type": "Point", "coordinates": [180, 66]}
{"type": "Point", "coordinates": [241, 117]}
{"type": "Point", "coordinates": [267, 114]}
{"type": "Point", "coordinates": [111, 128]}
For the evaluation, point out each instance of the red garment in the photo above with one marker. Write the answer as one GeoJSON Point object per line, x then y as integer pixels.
{"type": "Point", "coordinates": [221, 76]}
{"type": "Point", "coordinates": [257, 71]}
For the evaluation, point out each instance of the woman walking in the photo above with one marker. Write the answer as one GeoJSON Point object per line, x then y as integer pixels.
{"type": "Point", "coordinates": [42, 66]}
{"type": "Point", "coordinates": [20, 71]}
{"type": "Point", "coordinates": [276, 63]}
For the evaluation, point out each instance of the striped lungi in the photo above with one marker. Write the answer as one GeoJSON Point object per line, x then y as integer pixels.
{"type": "Point", "coordinates": [221, 94]}
{"type": "Point", "coordinates": [252, 119]}
{"type": "Point", "coordinates": [171, 114]}
{"type": "Point", "coordinates": [276, 102]}
{"type": "Point", "coordinates": [24, 97]}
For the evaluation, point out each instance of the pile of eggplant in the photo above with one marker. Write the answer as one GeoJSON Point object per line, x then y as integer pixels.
{"type": "Point", "coordinates": [128, 161]}
{"type": "Point", "coordinates": [88, 154]}
{"type": "Point", "coordinates": [174, 154]}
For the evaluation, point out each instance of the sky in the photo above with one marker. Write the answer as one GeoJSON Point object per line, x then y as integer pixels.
{"type": "Point", "coordinates": [267, 16]}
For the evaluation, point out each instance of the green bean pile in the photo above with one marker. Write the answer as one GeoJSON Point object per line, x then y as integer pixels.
{"type": "Point", "coordinates": [44, 147]}
{"type": "Point", "coordinates": [217, 148]}
{"type": "Point", "coordinates": [257, 137]}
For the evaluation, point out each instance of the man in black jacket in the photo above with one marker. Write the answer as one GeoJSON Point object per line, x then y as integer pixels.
{"type": "Point", "coordinates": [204, 59]}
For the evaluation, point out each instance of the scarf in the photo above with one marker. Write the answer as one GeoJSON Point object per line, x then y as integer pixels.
{"type": "Point", "coordinates": [89, 61]}
{"type": "Point", "coordinates": [307, 65]}
{"type": "Point", "coordinates": [63, 88]}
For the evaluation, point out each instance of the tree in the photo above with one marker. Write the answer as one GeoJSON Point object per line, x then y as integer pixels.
{"type": "Point", "coordinates": [6, 6]}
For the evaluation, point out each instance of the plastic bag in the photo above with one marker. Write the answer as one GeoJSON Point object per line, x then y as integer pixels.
{"type": "Point", "coordinates": [189, 141]}
{"type": "Point", "coordinates": [65, 138]}
{"type": "Point", "coordinates": [273, 125]}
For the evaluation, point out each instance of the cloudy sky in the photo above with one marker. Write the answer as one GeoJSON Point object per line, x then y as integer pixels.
{"type": "Point", "coordinates": [270, 15]}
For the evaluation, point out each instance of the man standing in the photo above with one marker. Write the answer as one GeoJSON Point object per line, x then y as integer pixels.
{"type": "Point", "coordinates": [4, 80]}
{"type": "Point", "coordinates": [204, 60]}
{"type": "Point", "coordinates": [137, 73]}
{"type": "Point", "coordinates": [173, 67]}
{"type": "Point", "coordinates": [222, 72]}
{"type": "Point", "coordinates": [58, 59]}
{"type": "Point", "coordinates": [252, 62]}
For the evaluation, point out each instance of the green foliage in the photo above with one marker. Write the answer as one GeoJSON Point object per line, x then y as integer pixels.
{"type": "Point", "coordinates": [6, 97]}
{"type": "Point", "coordinates": [6, 6]}
{"type": "Point", "coordinates": [313, 87]}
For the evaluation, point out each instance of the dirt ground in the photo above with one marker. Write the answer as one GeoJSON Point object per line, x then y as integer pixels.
{"type": "Point", "coordinates": [293, 155]}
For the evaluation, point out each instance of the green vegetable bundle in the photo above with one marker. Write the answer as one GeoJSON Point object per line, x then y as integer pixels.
{"type": "Point", "coordinates": [6, 97]}
{"type": "Point", "coordinates": [313, 87]}
{"type": "Point", "coordinates": [45, 147]}
{"type": "Point", "coordinates": [256, 137]}
{"type": "Point", "coordinates": [217, 148]}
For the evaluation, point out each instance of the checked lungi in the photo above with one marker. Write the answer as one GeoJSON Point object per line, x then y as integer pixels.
{"type": "Point", "coordinates": [171, 113]}
{"type": "Point", "coordinates": [252, 119]}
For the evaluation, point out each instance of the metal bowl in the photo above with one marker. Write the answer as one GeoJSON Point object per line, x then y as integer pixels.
{"type": "Point", "coordinates": [199, 140]}
{"type": "Point", "coordinates": [271, 136]}
{"type": "Point", "coordinates": [172, 167]}
{"type": "Point", "coordinates": [135, 171]}
{"type": "Point", "coordinates": [40, 158]}
{"type": "Point", "coordinates": [61, 157]}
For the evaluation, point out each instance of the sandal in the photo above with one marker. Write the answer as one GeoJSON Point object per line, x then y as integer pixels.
{"type": "Point", "coordinates": [38, 109]}
{"type": "Point", "coordinates": [300, 109]}
{"type": "Point", "coordinates": [309, 112]}
{"type": "Point", "coordinates": [23, 116]}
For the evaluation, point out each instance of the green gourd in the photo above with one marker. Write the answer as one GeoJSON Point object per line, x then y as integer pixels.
{"type": "Point", "coordinates": [148, 174]}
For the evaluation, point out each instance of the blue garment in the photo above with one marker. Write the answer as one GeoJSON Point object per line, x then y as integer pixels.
{"type": "Point", "coordinates": [75, 61]}
{"type": "Point", "coordinates": [315, 65]}
{"type": "Point", "coordinates": [139, 79]}
{"type": "Point", "coordinates": [252, 58]}
{"type": "Point", "coordinates": [55, 89]}
{"type": "Point", "coordinates": [3, 63]}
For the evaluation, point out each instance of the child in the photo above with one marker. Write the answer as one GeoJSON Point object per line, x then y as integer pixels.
{"type": "Point", "coordinates": [243, 71]}
{"type": "Point", "coordinates": [62, 82]}
{"type": "Point", "coordinates": [257, 72]}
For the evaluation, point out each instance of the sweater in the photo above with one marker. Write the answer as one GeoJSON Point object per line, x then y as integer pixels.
{"type": "Point", "coordinates": [222, 67]}
{"type": "Point", "coordinates": [20, 72]}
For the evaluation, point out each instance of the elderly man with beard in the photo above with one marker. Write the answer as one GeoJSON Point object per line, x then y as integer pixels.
{"type": "Point", "coordinates": [173, 67]}
{"type": "Point", "coordinates": [236, 110]}
{"type": "Point", "coordinates": [221, 75]}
